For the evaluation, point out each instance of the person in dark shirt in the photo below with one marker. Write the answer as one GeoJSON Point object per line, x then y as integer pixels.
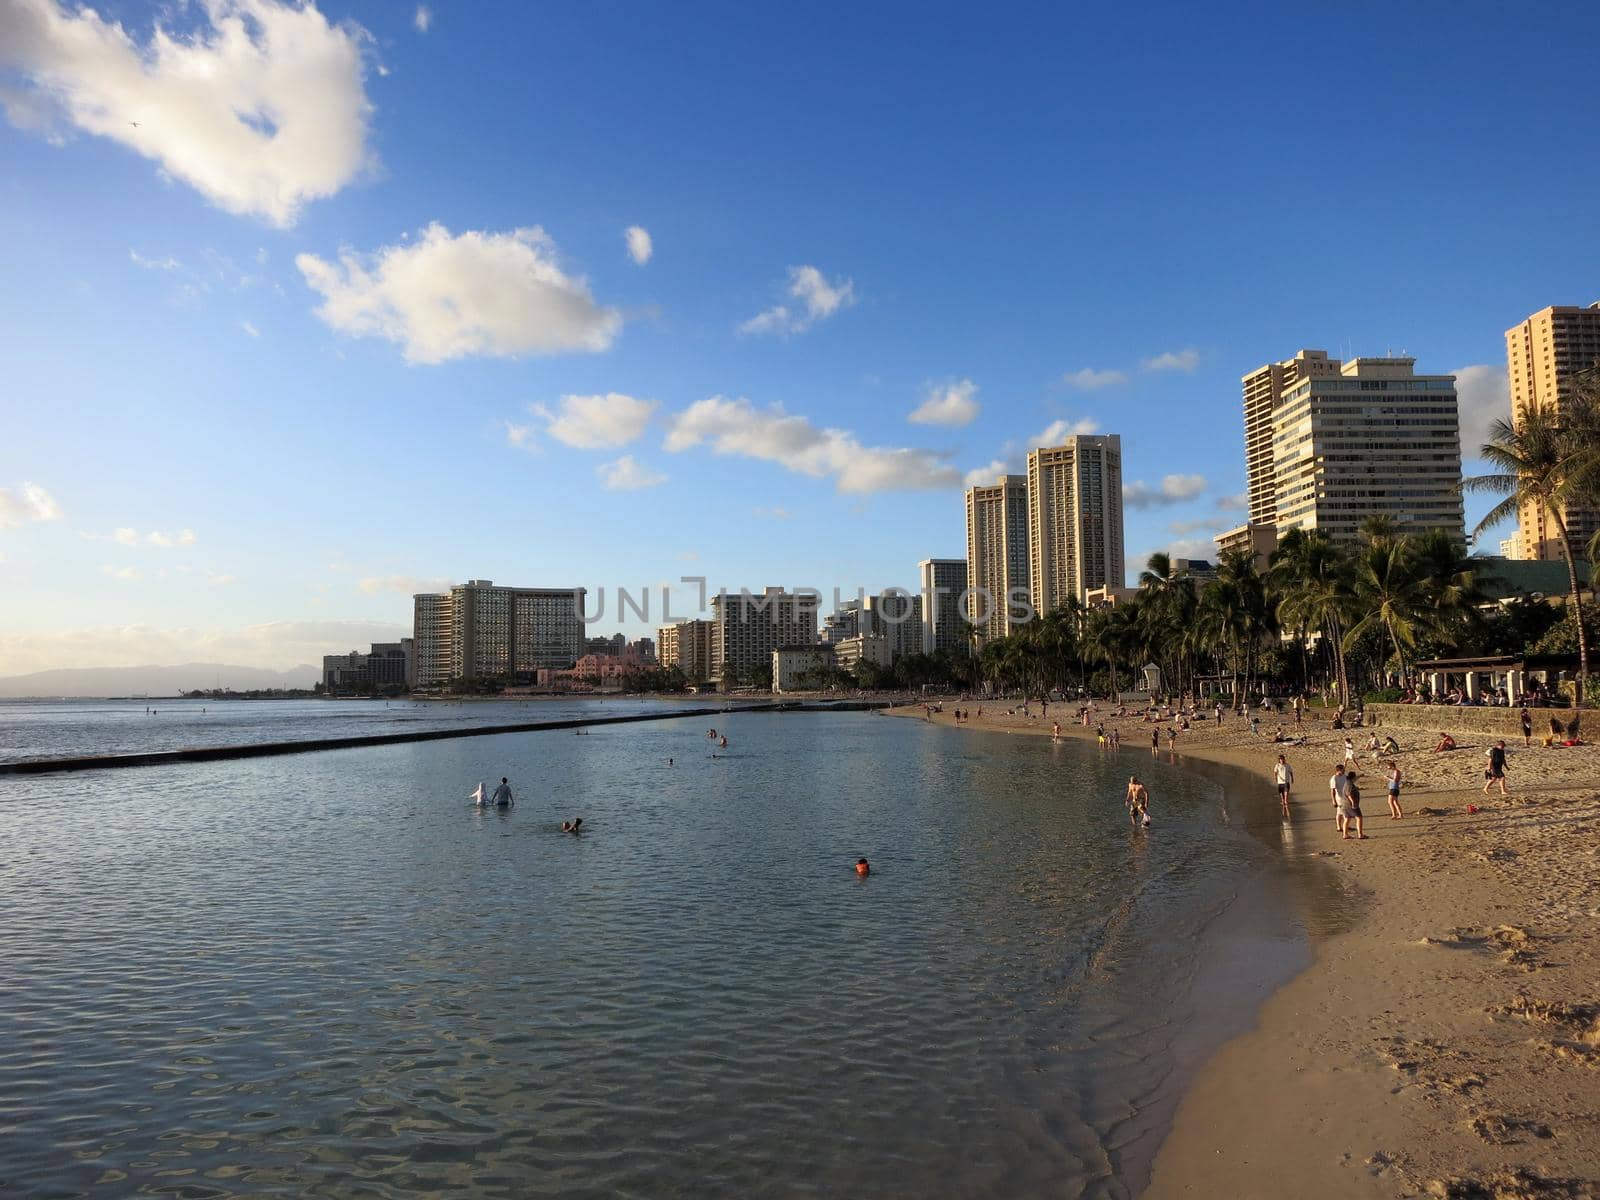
{"type": "Point", "coordinates": [1496, 770]}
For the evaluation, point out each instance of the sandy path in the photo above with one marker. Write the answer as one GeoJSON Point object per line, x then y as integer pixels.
{"type": "Point", "coordinates": [1448, 1044]}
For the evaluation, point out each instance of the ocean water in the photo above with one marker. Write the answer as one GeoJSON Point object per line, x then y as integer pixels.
{"type": "Point", "coordinates": [32, 729]}
{"type": "Point", "coordinates": [329, 975]}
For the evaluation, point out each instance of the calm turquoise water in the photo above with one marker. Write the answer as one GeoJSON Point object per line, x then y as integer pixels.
{"type": "Point", "coordinates": [328, 975]}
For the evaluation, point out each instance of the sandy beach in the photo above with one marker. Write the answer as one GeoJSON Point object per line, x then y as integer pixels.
{"type": "Point", "coordinates": [1448, 1044]}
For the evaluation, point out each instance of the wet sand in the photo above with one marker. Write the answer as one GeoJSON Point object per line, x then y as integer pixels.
{"type": "Point", "coordinates": [1448, 1042]}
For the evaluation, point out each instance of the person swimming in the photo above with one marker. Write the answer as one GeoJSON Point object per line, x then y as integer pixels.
{"type": "Point", "coordinates": [722, 744]}
{"type": "Point", "coordinates": [573, 826]}
{"type": "Point", "coordinates": [863, 867]}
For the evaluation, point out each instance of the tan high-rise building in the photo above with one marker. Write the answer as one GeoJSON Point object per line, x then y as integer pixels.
{"type": "Point", "coordinates": [479, 631]}
{"type": "Point", "coordinates": [1371, 439]}
{"type": "Point", "coordinates": [1074, 519]}
{"type": "Point", "coordinates": [748, 626]}
{"type": "Point", "coordinates": [1263, 393]}
{"type": "Point", "coordinates": [687, 646]}
{"type": "Point", "coordinates": [1545, 356]}
{"type": "Point", "coordinates": [997, 552]}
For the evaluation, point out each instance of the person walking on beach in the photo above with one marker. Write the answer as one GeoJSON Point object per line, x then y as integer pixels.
{"type": "Point", "coordinates": [1349, 751]}
{"type": "Point", "coordinates": [1283, 776]}
{"type": "Point", "coordinates": [1527, 726]}
{"type": "Point", "coordinates": [502, 794]}
{"type": "Point", "coordinates": [1350, 810]}
{"type": "Point", "coordinates": [1337, 783]}
{"type": "Point", "coordinates": [1392, 778]}
{"type": "Point", "coordinates": [1496, 770]}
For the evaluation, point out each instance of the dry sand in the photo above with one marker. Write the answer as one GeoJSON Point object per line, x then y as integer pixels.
{"type": "Point", "coordinates": [1449, 1043]}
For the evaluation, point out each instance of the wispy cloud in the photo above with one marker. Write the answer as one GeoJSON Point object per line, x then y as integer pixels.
{"type": "Point", "coordinates": [1060, 430]}
{"type": "Point", "coordinates": [1091, 380]}
{"type": "Point", "coordinates": [816, 300]}
{"type": "Point", "coordinates": [422, 19]}
{"type": "Point", "coordinates": [523, 437]}
{"type": "Point", "coordinates": [627, 475]}
{"type": "Point", "coordinates": [1184, 528]}
{"type": "Point", "coordinates": [157, 538]}
{"type": "Point", "coordinates": [1184, 361]}
{"type": "Point", "coordinates": [250, 329]}
{"type": "Point", "coordinates": [1238, 502]}
{"type": "Point", "coordinates": [124, 574]}
{"type": "Point", "coordinates": [167, 263]}
{"type": "Point", "coordinates": [405, 585]}
{"type": "Point", "coordinates": [30, 502]}
{"type": "Point", "coordinates": [738, 427]}
{"type": "Point", "coordinates": [446, 296]}
{"type": "Point", "coordinates": [261, 112]}
{"type": "Point", "coordinates": [640, 247]}
{"type": "Point", "coordinates": [275, 644]}
{"type": "Point", "coordinates": [774, 513]}
{"type": "Point", "coordinates": [1174, 489]}
{"type": "Point", "coordinates": [952, 404]}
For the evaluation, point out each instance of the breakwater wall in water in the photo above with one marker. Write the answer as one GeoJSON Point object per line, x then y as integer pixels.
{"type": "Point", "coordinates": [103, 762]}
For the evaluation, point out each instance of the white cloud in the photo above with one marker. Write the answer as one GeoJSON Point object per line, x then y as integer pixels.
{"type": "Point", "coordinates": [442, 296]}
{"type": "Point", "coordinates": [126, 574]}
{"type": "Point", "coordinates": [161, 539]}
{"type": "Point", "coordinates": [1173, 360]}
{"type": "Point", "coordinates": [1058, 431]}
{"type": "Point", "coordinates": [154, 264]}
{"type": "Point", "coordinates": [522, 437]}
{"type": "Point", "coordinates": [1174, 489]}
{"type": "Point", "coordinates": [985, 476]}
{"type": "Point", "coordinates": [774, 513]}
{"type": "Point", "coordinates": [28, 503]}
{"type": "Point", "coordinates": [597, 422]}
{"type": "Point", "coordinates": [261, 110]}
{"type": "Point", "coordinates": [423, 19]}
{"type": "Point", "coordinates": [640, 247]}
{"type": "Point", "coordinates": [1183, 528]}
{"type": "Point", "coordinates": [817, 301]}
{"type": "Point", "coordinates": [405, 585]}
{"type": "Point", "coordinates": [216, 580]}
{"type": "Point", "coordinates": [1203, 549]}
{"type": "Point", "coordinates": [1238, 502]}
{"type": "Point", "coordinates": [1091, 380]}
{"type": "Point", "coordinates": [250, 329]}
{"type": "Point", "coordinates": [1483, 396]}
{"type": "Point", "coordinates": [772, 435]}
{"type": "Point", "coordinates": [626, 475]}
{"type": "Point", "coordinates": [276, 644]}
{"type": "Point", "coordinates": [948, 404]}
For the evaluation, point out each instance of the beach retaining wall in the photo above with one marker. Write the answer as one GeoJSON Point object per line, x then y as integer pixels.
{"type": "Point", "coordinates": [1457, 719]}
{"type": "Point", "coordinates": [151, 758]}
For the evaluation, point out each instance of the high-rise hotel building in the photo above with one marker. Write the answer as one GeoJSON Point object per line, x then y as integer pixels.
{"type": "Point", "coordinates": [942, 580]}
{"type": "Point", "coordinates": [1546, 356]}
{"type": "Point", "coordinates": [687, 646]}
{"type": "Point", "coordinates": [479, 631]}
{"type": "Point", "coordinates": [997, 552]}
{"type": "Point", "coordinates": [747, 627]}
{"type": "Point", "coordinates": [1348, 441]}
{"type": "Point", "coordinates": [1074, 519]}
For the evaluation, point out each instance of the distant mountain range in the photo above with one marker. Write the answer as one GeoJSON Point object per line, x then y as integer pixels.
{"type": "Point", "coordinates": [154, 681]}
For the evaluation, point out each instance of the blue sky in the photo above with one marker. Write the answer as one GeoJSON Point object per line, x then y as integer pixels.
{"type": "Point", "coordinates": [1063, 218]}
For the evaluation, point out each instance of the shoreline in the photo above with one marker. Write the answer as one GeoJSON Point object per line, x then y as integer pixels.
{"type": "Point", "coordinates": [1447, 1041]}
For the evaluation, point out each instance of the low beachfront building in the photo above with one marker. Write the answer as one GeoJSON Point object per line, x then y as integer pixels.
{"type": "Point", "coordinates": [802, 668]}
{"type": "Point", "coordinates": [873, 648]}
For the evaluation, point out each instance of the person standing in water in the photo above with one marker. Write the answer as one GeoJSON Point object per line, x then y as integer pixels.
{"type": "Point", "coordinates": [1283, 776]}
{"type": "Point", "coordinates": [502, 794]}
{"type": "Point", "coordinates": [480, 794]}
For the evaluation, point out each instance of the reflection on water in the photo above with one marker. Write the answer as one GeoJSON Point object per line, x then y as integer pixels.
{"type": "Point", "coordinates": [329, 976]}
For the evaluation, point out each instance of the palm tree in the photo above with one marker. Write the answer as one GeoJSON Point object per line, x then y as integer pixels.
{"type": "Point", "coordinates": [1309, 579]}
{"type": "Point", "coordinates": [1390, 594]}
{"type": "Point", "coordinates": [1537, 464]}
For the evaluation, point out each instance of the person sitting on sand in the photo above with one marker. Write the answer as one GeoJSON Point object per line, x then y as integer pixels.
{"type": "Point", "coordinates": [1390, 746]}
{"type": "Point", "coordinates": [1446, 742]}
